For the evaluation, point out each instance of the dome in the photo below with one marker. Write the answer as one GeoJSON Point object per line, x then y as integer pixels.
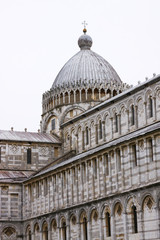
{"type": "Point", "coordinates": [86, 67]}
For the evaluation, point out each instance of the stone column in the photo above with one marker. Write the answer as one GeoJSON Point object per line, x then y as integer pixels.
{"type": "Point", "coordinates": [86, 94]}
{"type": "Point", "coordinates": [74, 96]}
{"type": "Point", "coordinates": [104, 174]}
{"type": "Point", "coordinates": [111, 127]}
{"type": "Point", "coordinates": [140, 224]}
{"type": "Point", "coordinates": [122, 168]}
{"type": "Point", "coordinates": [125, 226]}
{"type": "Point", "coordinates": [110, 173]}
{"type": "Point", "coordinates": [116, 166]}
{"type": "Point", "coordinates": [89, 231]}
{"type": "Point", "coordinates": [76, 174]}
{"type": "Point", "coordinates": [68, 229]}
{"type": "Point", "coordinates": [67, 188]}
{"type": "Point", "coordinates": [79, 230]}
{"type": "Point", "coordinates": [63, 97]}
{"type": "Point", "coordinates": [101, 235]}
{"type": "Point", "coordinates": [61, 190]}
{"type": "Point", "coordinates": [53, 101]}
{"type": "Point", "coordinates": [113, 233]}
{"type": "Point", "coordinates": [69, 97]}
{"type": "Point", "coordinates": [138, 162]}
{"type": "Point", "coordinates": [136, 116]}
{"type": "Point", "coordinates": [49, 203]}
{"type": "Point", "coordinates": [57, 190]}
{"type": "Point", "coordinates": [96, 133]}
{"type": "Point", "coordinates": [146, 159]}
{"type": "Point", "coordinates": [98, 176]}
{"type": "Point", "coordinates": [90, 142]}
{"type": "Point", "coordinates": [83, 147]}
{"type": "Point", "coordinates": [41, 234]}
{"type": "Point", "coordinates": [81, 182]}
{"type": "Point", "coordinates": [145, 111]}
{"type": "Point", "coordinates": [80, 95]}
{"type": "Point", "coordinates": [59, 233]}
{"type": "Point", "coordinates": [127, 120]}
{"type": "Point", "coordinates": [87, 180]}
{"type": "Point", "coordinates": [53, 192]}
{"type": "Point", "coordinates": [119, 124]}
{"type": "Point", "coordinates": [93, 93]}
{"type": "Point", "coordinates": [154, 156]}
{"type": "Point", "coordinates": [92, 171]}
{"type": "Point", "coordinates": [72, 182]}
{"type": "Point", "coordinates": [103, 130]}
{"type": "Point", "coordinates": [49, 234]}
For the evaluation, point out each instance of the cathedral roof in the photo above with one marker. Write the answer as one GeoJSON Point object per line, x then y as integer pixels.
{"type": "Point", "coordinates": [27, 137]}
{"type": "Point", "coordinates": [86, 67]}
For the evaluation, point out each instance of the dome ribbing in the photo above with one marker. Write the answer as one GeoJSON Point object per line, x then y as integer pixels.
{"type": "Point", "coordinates": [86, 67]}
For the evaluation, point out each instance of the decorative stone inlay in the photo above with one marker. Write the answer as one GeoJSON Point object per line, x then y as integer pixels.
{"type": "Point", "coordinates": [125, 152]}
{"type": "Point", "coordinates": [43, 150]}
{"type": "Point", "coordinates": [118, 209]}
{"type": "Point", "coordinates": [158, 94]}
{"type": "Point", "coordinates": [123, 112]}
{"type": "Point", "coordinates": [74, 220]}
{"type": "Point", "coordinates": [158, 140]}
{"type": "Point", "coordinates": [140, 107]}
{"type": "Point", "coordinates": [14, 149]}
{"type": "Point", "coordinates": [54, 224]}
{"type": "Point", "coordinates": [148, 204]}
{"type": "Point", "coordinates": [141, 146]}
{"type": "Point", "coordinates": [95, 216]}
{"type": "Point", "coordinates": [9, 234]}
{"type": "Point", "coordinates": [4, 189]}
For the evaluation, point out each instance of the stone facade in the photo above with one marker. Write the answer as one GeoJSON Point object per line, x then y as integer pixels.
{"type": "Point", "coordinates": [96, 173]}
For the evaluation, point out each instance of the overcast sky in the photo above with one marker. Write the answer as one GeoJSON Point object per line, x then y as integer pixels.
{"type": "Point", "coordinates": [37, 37]}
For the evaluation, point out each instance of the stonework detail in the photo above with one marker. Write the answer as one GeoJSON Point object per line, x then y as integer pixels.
{"type": "Point", "coordinates": [93, 170]}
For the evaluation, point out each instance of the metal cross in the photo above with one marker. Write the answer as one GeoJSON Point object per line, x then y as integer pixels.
{"type": "Point", "coordinates": [85, 24]}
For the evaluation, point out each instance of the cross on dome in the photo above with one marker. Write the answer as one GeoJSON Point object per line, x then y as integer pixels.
{"type": "Point", "coordinates": [84, 24]}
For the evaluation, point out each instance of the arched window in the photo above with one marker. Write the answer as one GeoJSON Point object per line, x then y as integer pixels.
{"type": "Point", "coordinates": [150, 107]}
{"type": "Point", "coordinates": [150, 149]}
{"type": "Point", "coordinates": [100, 129]}
{"type": "Point", "coordinates": [108, 93]}
{"type": "Point", "coordinates": [108, 224]}
{"type": "Point", "coordinates": [102, 93]}
{"type": "Point", "coordinates": [132, 115]}
{"type": "Point", "coordinates": [118, 155]}
{"type": "Point", "coordinates": [85, 234]}
{"type": "Point", "coordinates": [45, 231]}
{"type": "Point", "coordinates": [77, 96]}
{"type": "Point", "coordinates": [64, 235]}
{"type": "Point", "coordinates": [114, 93]}
{"type": "Point", "coordinates": [116, 122]}
{"type": "Point", "coordinates": [29, 236]}
{"type": "Point", "coordinates": [83, 95]}
{"type": "Point", "coordinates": [61, 98]}
{"type": "Point", "coordinates": [71, 97]}
{"type": "Point", "coordinates": [89, 94]}
{"type": "Point", "coordinates": [87, 136]}
{"type": "Point", "coordinates": [29, 156]}
{"type": "Point", "coordinates": [134, 154]}
{"type": "Point", "coordinates": [134, 213]}
{"type": "Point", "coordinates": [96, 94]}
{"type": "Point", "coordinates": [66, 98]}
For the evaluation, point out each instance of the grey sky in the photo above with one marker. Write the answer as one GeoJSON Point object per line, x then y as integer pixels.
{"type": "Point", "coordinates": [37, 37]}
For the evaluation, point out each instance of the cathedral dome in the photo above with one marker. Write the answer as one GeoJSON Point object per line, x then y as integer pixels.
{"type": "Point", "coordinates": [86, 67]}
